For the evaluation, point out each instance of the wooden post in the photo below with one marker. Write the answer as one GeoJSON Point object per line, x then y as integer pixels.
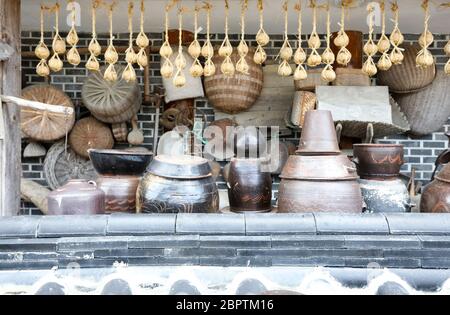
{"type": "Point", "coordinates": [10, 84]}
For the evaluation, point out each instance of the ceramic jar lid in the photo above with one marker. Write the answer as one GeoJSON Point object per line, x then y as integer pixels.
{"type": "Point", "coordinates": [180, 167]}
{"type": "Point", "coordinates": [444, 174]}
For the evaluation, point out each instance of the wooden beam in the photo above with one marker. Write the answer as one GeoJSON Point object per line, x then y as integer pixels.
{"type": "Point", "coordinates": [53, 108]}
{"type": "Point", "coordinates": [10, 84]}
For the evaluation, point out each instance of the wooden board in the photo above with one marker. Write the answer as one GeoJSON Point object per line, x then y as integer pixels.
{"type": "Point", "coordinates": [10, 84]}
{"type": "Point", "coordinates": [272, 105]}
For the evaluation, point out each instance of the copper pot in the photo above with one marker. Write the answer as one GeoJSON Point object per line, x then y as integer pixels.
{"type": "Point", "coordinates": [77, 197]}
{"type": "Point", "coordinates": [120, 192]}
{"type": "Point", "coordinates": [436, 195]}
{"type": "Point", "coordinates": [249, 187]}
{"type": "Point", "coordinates": [318, 134]}
{"type": "Point", "coordinates": [378, 160]}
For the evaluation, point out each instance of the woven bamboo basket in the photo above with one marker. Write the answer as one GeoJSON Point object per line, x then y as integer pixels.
{"type": "Point", "coordinates": [42, 125]}
{"type": "Point", "coordinates": [428, 110]}
{"type": "Point", "coordinates": [61, 166]}
{"type": "Point", "coordinates": [407, 77]}
{"type": "Point", "coordinates": [237, 93]}
{"type": "Point", "coordinates": [351, 77]}
{"type": "Point", "coordinates": [111, 102]}
{"type": "Point", "coordinates": [89, 133]}
{"type": "Point", "coordinates": [303, 102]}
{"type": "Point", "coordinates": [309, 84]}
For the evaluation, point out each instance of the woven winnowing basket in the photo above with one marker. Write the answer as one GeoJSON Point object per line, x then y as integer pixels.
{"type": "Point", "coordinates": [407, 77]}
{"type": "Point", "coordinates": [237, 93]}
{"type": "Point", "coordinates": [89, 133]}
{"type": "Point", "coordinates": [111, 102]}
{"type": "Point", "coordinates": [42, 125]}
{"type": "Point", "coordinates": [427, 110]}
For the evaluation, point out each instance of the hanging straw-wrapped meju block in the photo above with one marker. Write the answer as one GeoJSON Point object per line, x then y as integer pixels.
{"type": "Point", "coordinates": [328, 74]}
{"type": "Point", "coordinates": [129, 74]}
{"type": "Point", "coordinates": [286, 51]}
{"type": "Point", "coordinates": [314, 43]}
{"type": "Point", "coordinates": [425, 58]}
{"type": "Point", "coordinates": [72, 39]}
{"type": "Point", "coordinates": [58, 46]}
{"type": "Point", "coordinates": [342, 40]}
{"type": "Point", "coordinates": [179, 79]}
{"type": "Point", "coordinates": [242, 65]}
{"type": "Point", "coordinates": [94, 47]}
{"type": "Point", "coordinates": [195, 49]}
{"type": "Point", "coordinates": [300, 54]}
{"type": "Point", "coordinates": [111, 55]}
{"type": "Point", "coordinates": [226, 50]}
{"type": "Point", "coordinates": [166, 50]}
{"type": "Point", "coordinates": [42, 52]}
{"type": "Point", "coordinates": [384, 43]}
{"type": "Point", "coordinates": [208, 49]}
{"type": "Point", "coordinates": [262, 39]}
{"type": "Point", "coordinates": [142, 41]}
{"type": "Point", "coordinates": [370, 48]}
{"type": "Point", "coordinates": [396, 38]}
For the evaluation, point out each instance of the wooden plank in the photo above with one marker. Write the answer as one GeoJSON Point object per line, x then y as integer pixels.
{"type": "Point", "coordinates": [10, 84]}
{"type": "Point", "coordinates": [258, 118]}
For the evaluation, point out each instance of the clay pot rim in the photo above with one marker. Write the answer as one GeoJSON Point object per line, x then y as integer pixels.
{"type": "Point", "coordinates": [119, 152]}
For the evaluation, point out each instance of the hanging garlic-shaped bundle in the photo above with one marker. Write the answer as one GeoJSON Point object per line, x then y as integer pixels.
{"type": "Point", "coordinates": [424, 57]}
{"type": "Point", "coordinates": [447, 52]}
{"type": "Point", "coordinates": [328, 74]}
{"type": "Point", "coordinates": [59, 45]}
{"type": "Point", "coordinates": [94, 47]}
{"type": "Point", "coordinates": [42, 52]}
{"type": "Point", "coordinates": [142, 41]}
{"type": "Point", "coordinates": [262, 38]}
{"type": "Point", "coordinates": [226, 49]}
{"type": "Point", "coordinates": [384, 44]}
{"type": "Point", "coordinates": [396, 38]}
{"type": "Point", "coordinates": [300, 55]}
{"type": "Point", "coordinates": [242, 65]}
{"type": "Point", "coordinates": [207, 49]}
{"type": "Point", "coordinates": [179, 79]}
{"type": "Point", "coordinates": [73, 57]}
{"type": "Point", "coordinates": [370, 48]}
{"type": "Point", "coordinates": [166, 50]}
{"type": "Point", "coordinates": [314, 58]}
{"type": "Point", "coordinates": [286, 51]}
{"type": "Point", "coordinates": [129, 74]}
{"type": "Point", "coordinates": [447, 48]}
{"type": "Point", "coordinates": [111, 56]}
{"type": "Point", "coordinates": [195, 49]}
{"type": "Point", "coordinates": [342, 40]}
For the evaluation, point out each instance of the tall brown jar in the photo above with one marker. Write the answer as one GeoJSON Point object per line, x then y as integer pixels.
{"type": "Point", "coordinates": [436, 195]}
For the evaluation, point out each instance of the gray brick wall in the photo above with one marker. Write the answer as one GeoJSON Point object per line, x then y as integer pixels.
{"type": "Point", "coordinates": [420, 153]}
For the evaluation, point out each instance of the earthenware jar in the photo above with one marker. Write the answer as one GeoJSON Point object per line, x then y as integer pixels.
{"type": "Point", "coordinates": [180, 184]}
{"type": "Point", "coordinates": [436, 195]}
{"type": "Point", "coordinates": [378, 161]}
{"type": "Point", "coordinates": [385, 196]}
{"type": "Point", "coordinates": [120, 173]}
{"type": "Point", "coordinates": [249, 186]}
{"type": "Point", "coordinates": [77, 197]}
{"type": "Point", "coordinates": [325, 183]}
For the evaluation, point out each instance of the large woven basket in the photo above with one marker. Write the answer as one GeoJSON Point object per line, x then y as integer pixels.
{"type": "Point", "coordinates": [309, 84]}
{"type": "Point", "coordinates": [237, 93]}
{"type": "Point", "coordinates": [407, 77]}
{"type": "Point", "coordinates": [43, 125]}
{"type": "Point", "coordinates": [428, 110]}
{"type": "Point", "coordinates": [111, 102]}
{"type": "Point", "coordinates": [89, 133]}
{"type": "Point", "coordinates": [351, 77]}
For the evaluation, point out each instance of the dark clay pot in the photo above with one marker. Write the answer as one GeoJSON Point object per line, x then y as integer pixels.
{"type": "Point", "coordinates": [382, 161]}
{"type": "Point", "coordinates": [120, 192]}
{"type": "Point", "coordinates": [120, 162]}
{"type": "Point", "coordinates": [385, 196]}
{"type": "Point", "coordinates": [436, 195]}
{"type": "Point", "coordinates": [178, 185]}
{"type": "Point", "coordinates": [249, 188]}
{"type": "Point", "coordinates": [77, 197]}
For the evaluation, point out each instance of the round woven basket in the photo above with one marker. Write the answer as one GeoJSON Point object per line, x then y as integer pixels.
{"type": "Point", "coordinates": [111, 102]}
{"type": "Point", "coordinates": [42, 125]}
{"type": "Point", "coordinates": [237, 93]}
{"type": "Point", "coordinates": [89, 133]}
{"type": "Point", "coordinates": [407, 77]}
{"type": "Point", "coordinates": [427, 110]}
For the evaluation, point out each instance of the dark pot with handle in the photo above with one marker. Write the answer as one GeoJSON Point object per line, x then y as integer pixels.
{"type": "Point", "coordinates": [378, 161]}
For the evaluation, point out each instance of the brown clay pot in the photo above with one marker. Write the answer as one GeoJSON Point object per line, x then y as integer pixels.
{"type": "Point", "coordinates": [436, 195]}
{"type": "Point", "coordinates": [378, 161]}
{"type": "Point", "coordinates": [249, 188]}
{"type": "Point", "coordinates": [77, 197]}
{"type": "Point", "coordinates": [181, 184]}
{"type": "Point", "coordinates": [300, 196]}
{"type": "Point", "coordinates": [318, 134]}
{"type": "Point", "coordinates": [120, 192]}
